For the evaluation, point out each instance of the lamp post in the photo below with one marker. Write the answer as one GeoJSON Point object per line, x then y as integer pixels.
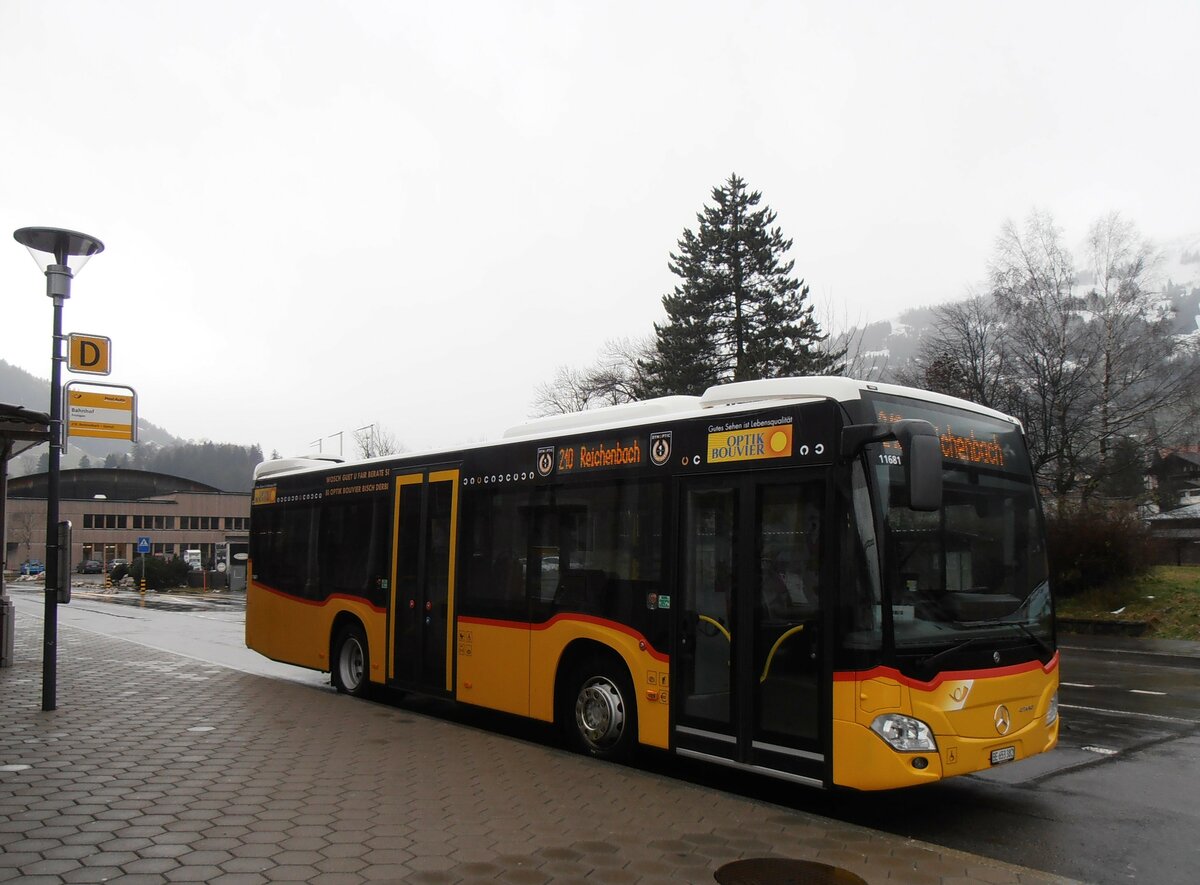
{"type": "Point", "coordinates": [60, 254]}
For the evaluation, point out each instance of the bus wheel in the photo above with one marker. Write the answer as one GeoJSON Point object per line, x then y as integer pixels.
{"type": "Point", "coordinates": [351, 661]}
{"type": "Point", "coordinates": [602, 721]}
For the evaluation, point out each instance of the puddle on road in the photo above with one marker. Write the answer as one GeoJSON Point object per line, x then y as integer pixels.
{"type": "Point", "coordinates": [167, 602]}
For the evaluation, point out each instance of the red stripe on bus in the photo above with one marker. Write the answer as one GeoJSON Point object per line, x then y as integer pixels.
{"type": "Point", "coordinates": [949, 676]}
{"type": "Point", "coordinates": [320, 603]}
{"type": "Point", "coordinates": [586, 619]}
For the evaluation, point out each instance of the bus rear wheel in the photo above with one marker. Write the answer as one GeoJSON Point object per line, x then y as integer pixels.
{"type": "Point", "coordinates": [601, 716]}
{"type": "Point", "coordinates": [351, 662]}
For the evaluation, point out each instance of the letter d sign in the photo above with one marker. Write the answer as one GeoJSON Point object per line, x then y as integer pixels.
{"type": "Point", "coordinates": [90, 353]}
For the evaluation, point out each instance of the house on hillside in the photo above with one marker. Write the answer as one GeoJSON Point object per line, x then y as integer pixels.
{"type": "Point", "coordinates": [1175, 479]}
{"type": "Point", "coordinates": [1178, 533]}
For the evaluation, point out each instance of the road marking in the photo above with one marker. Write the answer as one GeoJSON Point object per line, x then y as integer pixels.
{"type": "Point", "coordinates": [1101, 751]}
{"type": "Point", "coordinates": [1157, 653]}
{"type": "Point", "coordinates": [1157, 694]}
{"type": "Point", "coordinates": [1075, 685]}
{"type": "Point", "coordinates": [1130, 714]}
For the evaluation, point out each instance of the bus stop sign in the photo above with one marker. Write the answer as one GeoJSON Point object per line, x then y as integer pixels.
{"type": "Point", "coordinates": [90, 353]}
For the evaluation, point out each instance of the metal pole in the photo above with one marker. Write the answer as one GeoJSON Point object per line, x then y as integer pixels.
{"type": "Point", "coordinates": [58, 287]}
{"type": "Point", "coordinates": [7, 626]}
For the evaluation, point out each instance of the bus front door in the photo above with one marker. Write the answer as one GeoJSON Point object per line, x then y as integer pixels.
{"type": "Point", "coordinates": [426, 514]}
{"type": "Point", "coordinates": [747, 672]}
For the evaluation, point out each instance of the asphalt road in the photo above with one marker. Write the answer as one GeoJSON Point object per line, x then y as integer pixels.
{"type": "Point", "coordinates": [1117, 802]}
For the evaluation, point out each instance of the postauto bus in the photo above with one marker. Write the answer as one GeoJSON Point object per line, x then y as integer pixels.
{"type": "Point", "coordinates": [829, 581]}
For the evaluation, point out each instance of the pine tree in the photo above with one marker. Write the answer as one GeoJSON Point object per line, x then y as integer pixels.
{"type": "Point", "coordinates": [737, 313]}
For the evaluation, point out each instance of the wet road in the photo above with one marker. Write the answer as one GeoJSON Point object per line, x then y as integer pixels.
{"type": "Point", "coordinates": [1117, 802]}
{"type": "Point", "coordinates": [209, 627]}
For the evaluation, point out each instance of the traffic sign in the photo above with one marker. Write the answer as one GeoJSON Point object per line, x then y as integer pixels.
{"type": "Point", "coordinates": [143, 544]}
{"type": "Point", "coordinates": [90, 353]}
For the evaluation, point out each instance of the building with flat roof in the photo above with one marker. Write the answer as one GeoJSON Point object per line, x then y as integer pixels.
{"type": "Point", "coordinates": [111, 508]}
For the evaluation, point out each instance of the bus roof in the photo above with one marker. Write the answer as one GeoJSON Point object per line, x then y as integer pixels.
{"type": "Point", "coordinates": [718, 399]}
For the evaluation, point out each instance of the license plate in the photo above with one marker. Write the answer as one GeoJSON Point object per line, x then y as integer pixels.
{"type": "Point", "coordinates": [1004, 754]}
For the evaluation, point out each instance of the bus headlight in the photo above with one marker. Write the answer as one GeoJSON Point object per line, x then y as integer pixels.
{"type": "Point", "coordinates": [904, 733]}
{"type": "Point", "coordinates": [1052, 713]}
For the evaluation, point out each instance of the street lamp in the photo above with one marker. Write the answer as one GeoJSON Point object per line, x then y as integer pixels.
{"type": "Point", "coordinates": [60, 254]}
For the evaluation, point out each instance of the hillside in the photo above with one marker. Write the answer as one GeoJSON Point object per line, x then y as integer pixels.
{"type": "Point", "coordinates": [225, 466]}
{"type": "Point", "coordinates": [886, 346]}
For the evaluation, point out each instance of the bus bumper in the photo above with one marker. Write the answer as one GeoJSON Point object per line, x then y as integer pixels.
{"type": "Point", "coordinates": [977, 723]}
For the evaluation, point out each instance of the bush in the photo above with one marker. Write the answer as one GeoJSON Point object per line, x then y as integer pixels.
{"type": "Point", "coordinates": [160, 574]}
{"type": "Point", "coordinates": [1093, 547]}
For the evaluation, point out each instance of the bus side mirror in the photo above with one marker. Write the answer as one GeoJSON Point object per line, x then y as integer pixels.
{"type": "Point", "coordinates": [922, 456]}
{"type": "Point", "coordinates": [922, 463]}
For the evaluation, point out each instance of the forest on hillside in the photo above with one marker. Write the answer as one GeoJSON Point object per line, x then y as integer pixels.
{"type": "Point", "coordinates": [226, 466]}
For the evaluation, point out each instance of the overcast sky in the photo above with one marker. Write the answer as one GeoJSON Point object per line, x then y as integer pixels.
{"type": "Point", "coordinates": [323, 215]}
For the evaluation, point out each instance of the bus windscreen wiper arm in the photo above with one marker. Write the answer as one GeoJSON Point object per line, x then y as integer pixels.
{"type": "Point", "coordinates": [930, 661]}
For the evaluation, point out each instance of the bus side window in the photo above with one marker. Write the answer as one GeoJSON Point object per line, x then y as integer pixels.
{"type": "Point", "coordinates": [599, 548]}
{"type": "Point", "coordinates": [497, 526]}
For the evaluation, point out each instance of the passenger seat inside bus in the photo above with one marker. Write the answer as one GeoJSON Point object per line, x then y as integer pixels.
{"type": "Point", "coordinates": [581, 590]}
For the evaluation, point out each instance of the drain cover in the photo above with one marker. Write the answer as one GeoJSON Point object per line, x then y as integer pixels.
{"type": "Point", "coordinates": [779, 871]}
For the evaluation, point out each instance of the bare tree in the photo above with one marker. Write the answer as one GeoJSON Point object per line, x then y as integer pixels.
{"type": "Point", "coordinates": [846, 342]}
{"type": "Point", "coordinates": [1145, 375]}
{"type": "Point", "coordinates": [1031, 276]}
{"type": "Point", "coordinates": [568, 392]}
{"type": "Point", "coordinates": [616, 377]}
{"type": "Point", "coordinates": [966, 353]}
{"type": "Point", "coordinates": [375, 440]}
{"type": "Point", "coordinates": [23, 528]}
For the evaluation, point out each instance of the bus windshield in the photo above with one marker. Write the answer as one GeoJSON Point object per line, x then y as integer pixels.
{"type": "Point", "coordinates": [970, 578]}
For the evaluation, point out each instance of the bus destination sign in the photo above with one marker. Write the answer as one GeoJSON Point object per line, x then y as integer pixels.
{"type": "Point", "coordinates": [956, 446]}
{"type": "Point", "coordinates": [593, 455]}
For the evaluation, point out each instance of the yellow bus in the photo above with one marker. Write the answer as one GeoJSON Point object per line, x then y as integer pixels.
{"type": "Point", "coordinates": [829, 581]}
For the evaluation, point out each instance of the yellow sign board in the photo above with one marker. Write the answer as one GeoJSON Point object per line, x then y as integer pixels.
{"type": "Point", "coordinates": [90, 353]}
{"type": "Point", "coordinates": [100, 415]}
{"type": "Point", "coordinates": [264, 495]}
{"type": "Point", "coordinates": [750, 444]}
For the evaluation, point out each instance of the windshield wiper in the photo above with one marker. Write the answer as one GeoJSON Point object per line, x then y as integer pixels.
{"type": "Point", "coordinates": [930, 661]}
{"type": "Point", "coordinates": [1041, 643]}
{"type": "Point", "coordinates": [973, 640]}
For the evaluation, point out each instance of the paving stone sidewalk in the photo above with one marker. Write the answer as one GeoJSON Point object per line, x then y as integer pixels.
{"type": "Point", "coordinates": [161, 768]}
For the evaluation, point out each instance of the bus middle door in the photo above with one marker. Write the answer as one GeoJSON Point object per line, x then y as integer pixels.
{"type": "Point", "coordinates": [426, 517]}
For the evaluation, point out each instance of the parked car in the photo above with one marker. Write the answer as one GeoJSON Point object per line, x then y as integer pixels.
{"type": "Point", "coordinates": [113, 563]}
{"type": "Point", "coordinates": [89, 567]}
{"type": "Point", "coordinates": [32, 567]}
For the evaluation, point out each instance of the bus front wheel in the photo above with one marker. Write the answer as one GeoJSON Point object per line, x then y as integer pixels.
{"type": "Point", "coordinates": [351, 662]}
{"type": "Point", "coordinates": [601, 719]}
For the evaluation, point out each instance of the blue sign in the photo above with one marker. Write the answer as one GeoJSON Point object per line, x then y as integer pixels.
{"type": "Point", "coordinates": [143, 544]}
